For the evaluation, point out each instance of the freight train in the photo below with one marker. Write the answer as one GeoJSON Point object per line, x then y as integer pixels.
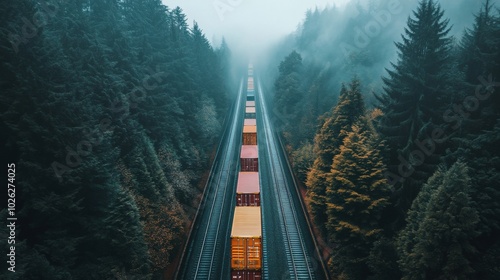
{"type": "Point", "coordinates": [246, 231]}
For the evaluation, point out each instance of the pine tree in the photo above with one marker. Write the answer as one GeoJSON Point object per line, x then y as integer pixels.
{"type": "Point", "coordinates": [327, 143]}
{"type": "Point", "coordinates": [357, 193]}
{"type": "Point", "coordinates": [477, 143]}
{"type": "Point", "coordinates": [95, 63]}
{"type": "Point", "coordinates": [436, 243]}
{"type": "Point", "coordinates": [414, 98]}
{"type": "Point", "coordinates": [480, 55]}
{"type": "Point", "coordinates": [287, 85]}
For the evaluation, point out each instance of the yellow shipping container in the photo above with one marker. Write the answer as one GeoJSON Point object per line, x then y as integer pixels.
{"type": "Point", "coordinates": [246, 239]}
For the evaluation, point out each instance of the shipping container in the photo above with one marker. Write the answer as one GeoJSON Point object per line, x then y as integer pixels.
{"type": "Point", "coordinates": [249, 158]}
{"type": "Point", "coordinates": [250, 85]}
{"type": "Point", "coordinates": [250, 113]}
{"type": "Point", "coordinates": [251, 96]}
{"type": "Point", "coordinates": [250, 122]}
{"type": "Point", "coordinates": [246, 239]}
{"type": "Point", "coordinates": [246, 275]}
{"type": "Point", "coordinates": [250, 103]}
{"type": "Point", "coordinates": [248, 189]}
{"type": "Point", "coordinates": [249, 135]}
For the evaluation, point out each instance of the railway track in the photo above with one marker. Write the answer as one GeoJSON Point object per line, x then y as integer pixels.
{"type": "Point", "coordinates": [300, 265]}
{"type": "Point", "coordinates": [206, 255]}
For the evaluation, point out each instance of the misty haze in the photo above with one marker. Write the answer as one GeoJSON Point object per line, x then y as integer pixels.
{"type": "Point", "coordinates": [237, 139]}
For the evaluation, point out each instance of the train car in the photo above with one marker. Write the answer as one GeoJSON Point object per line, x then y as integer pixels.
{"type": "Point", "coordinates": [250, 103]}
{"type": "Point", "coordinates": [250, 113]}
{"type": "Point", "coordinates": [249, 135]}
{"type": "Point", "coordinates": [251, 95]}
{"type": "Point", "coordinates": [248, 189]}
{"type": "Point", "coordinates": [246, 275]}
{"type": "Point", "coordinates": [250, 122]}
{"type": "Point", "coordinates": [246, 243]}
{"type": "Point", "coordinates": [250, 85]}
{"type": "Point", "coordinates": [249, 158]}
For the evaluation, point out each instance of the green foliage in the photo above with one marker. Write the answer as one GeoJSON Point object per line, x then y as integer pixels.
{"type": "Point", "coordinates": [102, 105]}
{"type": "Point", "coordinates": [303, 159]}
{"type": "Point", "coordinates": [327, 144]}
{"type": "Point", "coordinates": [415, 97]}
{"type": "Point", "coordinates": [436, 243]}
{"type": "Point", "coordinates": [357, 193]}
{"type": "Point", "coordinates": [433, 76]}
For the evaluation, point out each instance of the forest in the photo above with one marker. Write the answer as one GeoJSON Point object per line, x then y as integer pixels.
{"type": "Point", "coordinates": [110, 111]}
{"type": "Point", "coordinates": [398, 152]}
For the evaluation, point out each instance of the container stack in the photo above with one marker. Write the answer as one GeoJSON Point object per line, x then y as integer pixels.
{"type": "Point", "coordinates": [246, 232]}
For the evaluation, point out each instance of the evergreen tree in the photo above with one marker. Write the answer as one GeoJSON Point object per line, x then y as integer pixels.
{"type": "Point", "coordinates": [436, 243]}
{"type": "Point", "coordinates": [357, 193]}
{"type": "Point", "coordinates": [287, 87]}
{"type": "Point", "coordinates": [327, 143]}
{"type": "Point", "coordinates": [414, 98]}
{"type": "Point", "coordinates": [90, 114]}
{"type": "Point", "coordinates": [480, 55]}
{"type": "Point", "coordinates": [477, 142]}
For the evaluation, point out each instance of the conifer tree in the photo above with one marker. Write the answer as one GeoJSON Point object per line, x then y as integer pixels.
{"type": "Point", "coordinates": [477, 143]}
{"type": "Point", "coordinates": [327, 142]}
{"type": "Point", "coordinates": [414, 98]}
{"type": "Point", "coordinates": [436, 243]}
{"type": "Point", "coordinates": [357, 193]}
{"type": "Point", "coordinates": [86, 64]}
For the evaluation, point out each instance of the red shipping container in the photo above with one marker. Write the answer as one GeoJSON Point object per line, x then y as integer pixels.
{"type": "Point", "coordinates": [249, 158]}
{"type": "Point", "coordinates": [249, 135]}
{"type": "Point", "coordinates": [248, 189]}
{"type": "Point", "coordinates": [246, 275]}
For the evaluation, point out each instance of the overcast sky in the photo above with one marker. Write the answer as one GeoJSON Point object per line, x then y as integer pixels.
{"type": "Point", "coordinates": [248, 21]}
{"type": "Point", "coordinates": [253, 24]}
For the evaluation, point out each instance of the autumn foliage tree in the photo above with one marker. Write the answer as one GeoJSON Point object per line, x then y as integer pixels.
{"type": "Point", "coordinates": [327, 143]}
{"type": "Point", "coordinates": [357, 193]}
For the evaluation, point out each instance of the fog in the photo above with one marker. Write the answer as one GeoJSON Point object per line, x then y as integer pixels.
{"type": "Point", "coordinates": [248, 26]}
{"type": "Point", "coordinates": [251, 26]}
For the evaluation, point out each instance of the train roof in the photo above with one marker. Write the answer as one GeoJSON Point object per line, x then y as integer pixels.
{"type": "Point", "coordinates": [249, 151]}
{"type": "Point", "coordinates": [250, 103]}
{"type": "Point", "coordinates": [249, 129]}
{"type": "Point", "coordinates": [246, 222]}
{"type": "Point", "coordinates": [248, 182]}
{"type": "Point", "coordinates": [250, 122]}
{"type": "Point", "coordinates": [250, 110]}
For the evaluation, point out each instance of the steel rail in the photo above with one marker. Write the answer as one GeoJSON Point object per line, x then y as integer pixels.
{"type": "Point", "coordinates": [298, 256]}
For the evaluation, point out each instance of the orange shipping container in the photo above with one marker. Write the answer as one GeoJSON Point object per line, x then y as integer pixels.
{"type": "Point", "coordinates": [249, 135]}
{"type": "Point", "coordinates": [246, 239]}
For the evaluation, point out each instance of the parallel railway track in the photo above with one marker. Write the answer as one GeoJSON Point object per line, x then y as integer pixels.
{"type": "Point", "coordinates": [289, 252]}
{"type": "Point", "coordinates": [298, 258]}
{"type": "Point", "coordinates": [206, 255]}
